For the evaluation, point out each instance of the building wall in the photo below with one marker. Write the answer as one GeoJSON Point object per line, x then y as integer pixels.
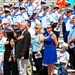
{"type": "Point", "coordinates": [49, 2]}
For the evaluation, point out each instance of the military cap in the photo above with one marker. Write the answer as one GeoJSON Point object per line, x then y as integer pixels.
{"type": "Point", "coordinates": [16, 6]}
{"type": "Point", "coordinates": [6, 11]}
{"type": "Point", "coordinates": [43, 2]}
{"type": "Point", "coordinates": [22, 7]}
{"type": "Point", "coordinates": [69, 10]}
{"type": "Point", "coordinates": [6, 5]}
{"type": "Point", "coordinates": [20, 0]}
{"type": "Point", "coordinates": [56, 7]}
{"type": "Point", "coordinates": [10, 4]}
{"type": "Point", "coordinates": [45, 7]}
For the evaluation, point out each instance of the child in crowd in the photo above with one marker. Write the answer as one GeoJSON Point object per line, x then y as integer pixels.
{"type": "Point", "coordinates": [63, 59]}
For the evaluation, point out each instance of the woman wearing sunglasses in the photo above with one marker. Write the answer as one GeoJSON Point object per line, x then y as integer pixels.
{"type": "Point", "coordinates": [37, 45]}
{"type": "Point", "coordinates": [50, 55]}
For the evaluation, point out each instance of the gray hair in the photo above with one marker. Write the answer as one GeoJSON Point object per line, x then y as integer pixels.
{"type": "Point", "coordinates": [24, 24]}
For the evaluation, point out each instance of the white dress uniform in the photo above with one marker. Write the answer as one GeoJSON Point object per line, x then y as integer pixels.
{"type": "Point", "coordinates": [68, 24]}
{"type": "Point", "coordinates": [22, 17]}
{"type": "Point", "coordinates": [55, 16]}
{"type": "Point", "coordinates": [29, 8]}
{"type": "Point", "coordinates": [14, 17]}
{"type": "Point", "coordinates": [6, 17]}
{"type": "Point", "coordinates": [46, 19]}
{"type": "Point", "coordinates": [34, 22]}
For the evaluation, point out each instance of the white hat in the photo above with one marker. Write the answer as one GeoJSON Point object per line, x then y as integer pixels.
{"type": "Point", "coordinates": [6, 4]}
{"type": "Point", "coordinates": [6, 21]}
{"type": "Point", "coordinates": [16, 6]}
{"type": "Point", "coordinates": [6, 10]}
{"type": "Point", "coordinates": [22, 7]}
{"type": "Point", "coordinates": [65, 45]}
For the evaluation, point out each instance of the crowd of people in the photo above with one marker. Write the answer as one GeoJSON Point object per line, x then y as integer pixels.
{"type": "Point", "coordinates": [30, 30]}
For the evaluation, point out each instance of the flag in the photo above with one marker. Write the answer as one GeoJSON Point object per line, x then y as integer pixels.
{"type": "Point", "coordinates": [60, 3]}
{"type": "Point", "coordinates": [72, 2]}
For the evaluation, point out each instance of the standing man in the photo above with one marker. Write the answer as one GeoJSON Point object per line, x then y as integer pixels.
{"type": "Point", "coordinates": [65, 25]}
{"type": "Point", "coordinates": [71, 43]}
{"type": "Point", "coordinates": [23, 15]}
{"type": "Point", "coordinates": [22, 49]}
{"type": "Point", "coordinates": [32, 32]}
{"type": "Point", "coordinates": [7, 25]}
{"type": "Point", "coordinates": [46, 18]}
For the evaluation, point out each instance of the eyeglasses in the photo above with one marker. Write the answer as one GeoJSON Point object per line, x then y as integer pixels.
{"type": "Point", "coordinates": [16, 25]}
{"type": "Point", "coordinates": [36, 28]}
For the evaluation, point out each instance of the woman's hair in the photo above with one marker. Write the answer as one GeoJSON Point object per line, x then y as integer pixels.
{"type": "Point", "coordinates": [18, 32]}
{"type": "Point", "coordinates": [10, 34]}
{"type": "Point", "coordinates": [3, 32]}
{"type": "Point", "coordinates": [41, 29]}
{"type": "Point", "coordinates": [50, 25]}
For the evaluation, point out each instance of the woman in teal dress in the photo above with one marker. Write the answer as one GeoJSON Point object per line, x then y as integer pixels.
{"type": "Point", "coordinates": [37, 45]}
{"type": "Point", "coordinates": [50, 55]}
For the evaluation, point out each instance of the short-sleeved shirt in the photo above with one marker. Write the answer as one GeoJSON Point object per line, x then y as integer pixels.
{"type": "Point", "coordinates": [64, 58]}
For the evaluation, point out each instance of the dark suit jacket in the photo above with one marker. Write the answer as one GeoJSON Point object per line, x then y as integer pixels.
{"type": "Point", "coordinates": [22, 47]}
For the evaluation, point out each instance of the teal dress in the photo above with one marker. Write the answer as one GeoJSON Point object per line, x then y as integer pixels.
{"type": "Point", "coordinates": [50, 55]}
{"type": "Point", "coordinates": [35, 43]}
{"type": "Point", "coordinates": [35, 48]}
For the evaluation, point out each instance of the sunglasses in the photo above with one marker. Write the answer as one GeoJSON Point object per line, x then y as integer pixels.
{"type": "Point", "coordinates": [49, 27]}
{"type": "Point", "coordinates": [16, 25]}
{"type": "Point", "coordinates": [4, 23]}
{"type": "Point", "coordinates": [36, 28]}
